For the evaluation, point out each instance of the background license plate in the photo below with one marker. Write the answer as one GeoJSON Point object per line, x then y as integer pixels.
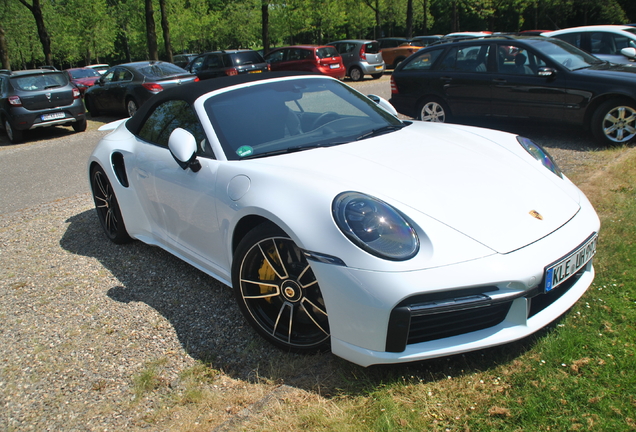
{"type": "Point", "coordinates": [567, 266]}
{"type": "Point", "coordinates": [255, 71]}
{"type": "Point", "coordinates": [52, 116]}
{"type": "Point", "coordinates": [334, 66]}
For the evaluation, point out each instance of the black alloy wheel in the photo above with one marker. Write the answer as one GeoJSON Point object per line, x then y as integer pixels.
{"type": "Point", "coordinates": [277, 291]}
{"type": "Point", "coordinates": [107, 207]}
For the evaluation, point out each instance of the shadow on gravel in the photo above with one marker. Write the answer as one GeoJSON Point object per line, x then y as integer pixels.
{"type": "Point", "coordinates": [211, 329]}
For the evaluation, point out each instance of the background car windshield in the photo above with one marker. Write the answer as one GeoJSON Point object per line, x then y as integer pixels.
{"type": "Point", "coordinates": [244, 58]}
{"type": "Point", "coordinates": [40, 82]}
{"type": "Point", "coordinates": [566, 54]}
{"type": "Point", "coordinates": [161, 70]}
{"type": "Point", "coordinates": [326, 52]}
{"type": "Point", "coordinates": [84, 73]}
{"type": "Point", "coordinates": [291, 114]}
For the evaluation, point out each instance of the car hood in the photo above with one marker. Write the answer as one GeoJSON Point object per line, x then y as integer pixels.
{"type": "Point", "coordinates": [456, 175]}
{"type": "Point", "coordinates": [611, 69]}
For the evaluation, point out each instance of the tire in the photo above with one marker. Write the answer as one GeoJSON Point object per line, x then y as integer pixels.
{"type": "Point", "coordinates": [614, 121]}
{"type": "Point", "coordinates": [107, 207]}
{"type": "Point", "coordinates": [91, 107]}
{"type": "Point", "coordinates": [377, 76]}
{"type": "Point", "coordinates": [131, 107]}
{"type": "Point", "coordinates": [277, 291]}
{"type": "Point", "coordinates": [355, 73]}
{"type": "Point", "coordinates": [15, 136]}
{"type": "Point", "coordinates": [397, 61]}
{"type": "Point", "coordinates": [433, 110]}
{"type": "Point", "coordinates": [80, 125]}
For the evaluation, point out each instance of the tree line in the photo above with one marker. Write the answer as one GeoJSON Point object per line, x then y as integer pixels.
{"type": "Point", "coordinates": [70, 33]}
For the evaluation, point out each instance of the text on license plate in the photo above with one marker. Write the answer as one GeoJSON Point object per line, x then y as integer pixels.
{"type": "Point", "coordinates": [255, 71]}
{"type": "Point", "coordinates": [378, 67]}
{"type": "Point", "coordinates": [570, 264]}
{"type": "Point", "coordinates": [334, 66]}
{"type": "Point", "coordinates": [52, 116]}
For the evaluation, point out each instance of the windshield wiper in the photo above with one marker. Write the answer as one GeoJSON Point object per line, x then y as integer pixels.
{"type": "Point", "coordinates": [382, 130]}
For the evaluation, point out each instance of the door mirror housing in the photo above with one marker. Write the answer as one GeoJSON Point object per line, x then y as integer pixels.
{"type": "Point", "coordinates": [629, 52]}
{"type": "Point", "coordinates": [183, 147]}
{"type": "Point", "coordinates": [384, 104]}
{"type": "Point", "coordinates": [546, 72]}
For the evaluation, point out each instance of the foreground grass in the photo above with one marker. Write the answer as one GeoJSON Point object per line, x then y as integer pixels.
{"type": "Point", "coordinates": [578, 374]}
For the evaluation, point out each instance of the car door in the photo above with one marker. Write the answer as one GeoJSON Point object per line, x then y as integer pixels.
{"type": "Point", "coordinates": [114, 89]}
{"type": "Point", "coordinates": [181, 204]}
{"type": "Point", "coordinates": [519, 91]}
{"type": "Point", "coordinates": [462, 77]}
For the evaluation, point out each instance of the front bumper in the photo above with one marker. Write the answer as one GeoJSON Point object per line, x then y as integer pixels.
{"type": "Point", "coordinates": [372, 318]}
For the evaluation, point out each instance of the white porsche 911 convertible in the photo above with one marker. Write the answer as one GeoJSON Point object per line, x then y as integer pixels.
{"type": "Point", "coordinates": [340, 226]}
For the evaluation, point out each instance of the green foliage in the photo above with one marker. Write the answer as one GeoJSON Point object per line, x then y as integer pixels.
{"type": "Point", "coordinates": [114, 30]}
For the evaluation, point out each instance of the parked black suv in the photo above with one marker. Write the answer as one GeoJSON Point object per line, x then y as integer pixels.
{"type": "Point", "coordinates": [518, 77]}
{"type": "Point", "coordinates": [37, 98]}
{"type": "Point", "coordinates": [231, 62]}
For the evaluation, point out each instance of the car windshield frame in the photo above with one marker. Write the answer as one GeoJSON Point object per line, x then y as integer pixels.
{"type": "Point", "coordinates": [257, 121]}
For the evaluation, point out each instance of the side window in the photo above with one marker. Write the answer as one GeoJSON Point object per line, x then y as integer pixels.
{"type": "Point", "coordinates": [108, 77]}
{"type": "Point", "coordinates": [169, 116]}
{"type": "Point", "coordinates": [125, 75]}
{"type": "Point", "coordinates": [518, 61]}
{"type": "Point", "coordinates": [214, 62]}
{"type": "Point", "coordinates": [197, 63]}
{"type": "Point", "coordinates": [572, 39]}
{"type": "Point", "coordinates": [276, 57]}
{"type": "Point", "coordinates": [423, 61]}
{"type": "Point", "coordinates": [466, 59]}
{"type": "Point", "coordinates": [602, 43]}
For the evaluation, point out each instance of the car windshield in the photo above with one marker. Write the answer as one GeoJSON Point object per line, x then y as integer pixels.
{"type": "Point", "coordinates": [161, 70]}
{"type": "Point", "coordinates": [84, 73]}
{"type": "Point", "coordinates": [40, 81]}
{"type": "Point", "coordinates": [291, 115]}
{"type": "Point", "coordinates": [326, 52]}
{"type": "Point", "coordinates": [565, 54]}
{"type": "Point", "coordinates": [245, 58]}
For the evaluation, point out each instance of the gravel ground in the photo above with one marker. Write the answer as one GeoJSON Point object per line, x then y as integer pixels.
{"type": "Point", "coordinates": [96, 336]}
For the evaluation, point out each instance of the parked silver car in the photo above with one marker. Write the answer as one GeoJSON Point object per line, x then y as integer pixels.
{"type": "Point", "coordinates": [360, 58]}
{"type": "Point", "coordinates": [612, 43]}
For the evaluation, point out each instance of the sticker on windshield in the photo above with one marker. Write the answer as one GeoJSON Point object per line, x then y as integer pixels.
{"type": "Point", "coordinates": [244, 151]}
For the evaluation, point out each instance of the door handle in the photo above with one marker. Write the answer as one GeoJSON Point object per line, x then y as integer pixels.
{"type": "Point", "coordinates": [499, 80]}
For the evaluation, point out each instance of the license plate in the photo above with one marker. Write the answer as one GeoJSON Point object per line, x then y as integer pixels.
{"type": "Point", "coordinates": [255, 71]}
{"type": "Point", "coordinates": [53, 116]}
{"type": "Point", "coordinates": [334, 66]}
{"type": "Point", "coordinates": [567, 266]}
{"type": "Point", "coordinates": [378, 67]}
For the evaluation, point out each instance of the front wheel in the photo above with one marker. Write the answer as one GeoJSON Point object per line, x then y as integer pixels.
{"type": "Point", "coordinates": [433, 110]}
{"type": "Point", "coordinates": [107, 207]}
{"type": "Point", "coordinates": [277, 291]}
{"type": "Point", "coordinates": [614, 122]}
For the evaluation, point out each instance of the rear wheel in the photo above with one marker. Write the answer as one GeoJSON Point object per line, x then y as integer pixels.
{"type": "Point", "coordinates": [355, 74]}
{"type": "Point", "coordinates": [614, 122]}
{"type": "Point", "coordinates": [107, 207]}
{"type": "Point", "coordinates": [434, 110]}
{"type": "Point", "coordinates": [277, 291]}
{"type": "Point", "coordinates": [131, 107]}
{"type": "Point", "coordinates": [80, 125]}
{"type": "Point", "coordinates": [15, 136]}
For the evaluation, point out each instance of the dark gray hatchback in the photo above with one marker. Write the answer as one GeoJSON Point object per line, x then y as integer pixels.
{"type": "Point", "coordinates": [38, 98]}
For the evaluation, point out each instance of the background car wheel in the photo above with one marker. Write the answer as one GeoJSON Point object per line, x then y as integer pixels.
{"type": "Point", "coordinates": [356, 74]}
{"type": "Point", "coordinates": [397, 61]}
{"type": "Point", "coordinates": [614, 122]}
{"type": "Point", "coordinates": [434, 110]}
{"type": "Point", "coordinates": [91, 107]}
{"type": "Point", "coordinates": [131, 107]}
{"type": "Point", "coordinates": [15, 136]}
{"type": "Point", "coordinates": [80, 125]}
{"type": "Point", "coordinates": [377, 76]}
{"type": "Point", "coordinates": [277, 291]}
{"type": "Point", "coordinates": [107, 207]}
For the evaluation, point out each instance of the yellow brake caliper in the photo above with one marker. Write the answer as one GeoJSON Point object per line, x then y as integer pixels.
{"type": "Point", "coordinates": [266, 272]}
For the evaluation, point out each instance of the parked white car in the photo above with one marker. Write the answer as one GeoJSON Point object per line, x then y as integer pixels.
{"type": "Point", "coordinates": [340, 226]}
{"type": "Point", "coordinates": [612, 43]}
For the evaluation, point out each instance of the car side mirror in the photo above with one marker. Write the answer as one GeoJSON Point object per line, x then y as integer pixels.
{"type": "Point", "coordinates": [183, 147]}
{"type": "Point", "coordinates": [629, 52]}
{"type": "Point", "coordinates": [384, 104]}
{"type": "Point", "coordinates": [546, 72]}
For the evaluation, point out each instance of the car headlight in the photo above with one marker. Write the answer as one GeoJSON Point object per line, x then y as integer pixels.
{"type": "Point", "coordinates": [540, 154]}
{"type": "Point", "coordinates": [375, 226]}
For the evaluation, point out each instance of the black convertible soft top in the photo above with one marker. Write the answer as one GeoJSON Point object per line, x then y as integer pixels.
{"type": "Point", "coordinates": [191, 91]}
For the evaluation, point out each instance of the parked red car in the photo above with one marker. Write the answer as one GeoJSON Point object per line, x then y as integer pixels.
{"type": "Point", "coordinates": [83, 78]}
{"type": "Point", "coordinates": [309, 58]}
